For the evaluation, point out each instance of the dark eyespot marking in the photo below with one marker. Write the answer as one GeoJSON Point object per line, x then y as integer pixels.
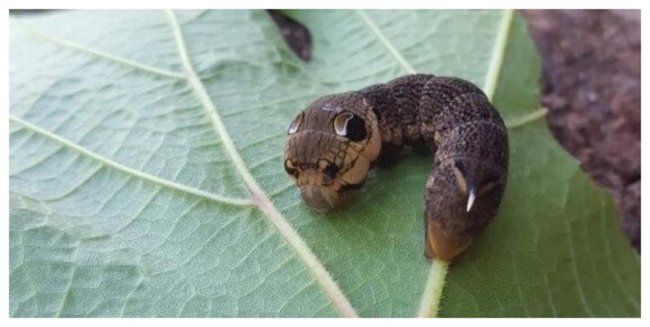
{"type": "Point", "coordinates": [356, 129]}
{"type": "Point", "coordinates": [331, 170]}
{"type": "Point", "coordinates": [290, 168]}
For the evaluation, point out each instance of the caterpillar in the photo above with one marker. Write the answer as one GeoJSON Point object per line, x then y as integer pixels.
{"type": "Point", "coordinates": [338, 138]}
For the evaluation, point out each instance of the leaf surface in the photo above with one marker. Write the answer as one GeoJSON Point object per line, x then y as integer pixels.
{"type": "Point", "coordinates": [127, 198]}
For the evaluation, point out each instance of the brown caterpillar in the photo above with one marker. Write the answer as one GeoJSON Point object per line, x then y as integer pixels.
{"type": "Point", "coordinates": [335, 141]}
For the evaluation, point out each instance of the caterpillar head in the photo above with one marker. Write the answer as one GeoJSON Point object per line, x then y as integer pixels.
{"type": "Point", "coordinates": [330, 148]}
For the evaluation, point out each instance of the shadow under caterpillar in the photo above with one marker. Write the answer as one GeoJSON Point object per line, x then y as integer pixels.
{"type": "Point", "coordinates": [333, 144]}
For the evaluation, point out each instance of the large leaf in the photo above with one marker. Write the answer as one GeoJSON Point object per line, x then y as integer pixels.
{"type": "Point", "coordinates": [146, 175]}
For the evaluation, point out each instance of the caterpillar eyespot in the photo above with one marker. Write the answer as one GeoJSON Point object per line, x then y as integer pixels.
{"type": "Point", "coordinates": [338, 138]}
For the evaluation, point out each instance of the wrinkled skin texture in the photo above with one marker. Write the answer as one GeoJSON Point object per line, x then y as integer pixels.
{"type": "Point", "coordinates": [335, 142]}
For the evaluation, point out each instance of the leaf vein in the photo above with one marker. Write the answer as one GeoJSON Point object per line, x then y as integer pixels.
{"type": "Point", "coordinates": [574, 269]}
{"type": "Point", "coordinates": [498, 54]}
{"type": "Point", "coordinates": [609, 256]}
{"type": "Point", "coordinates": [69, 286]}
{"type": "Point", "coordinates": [108, 162]}
{"type": "Point", "coordinates": [139, 211]}
{"type": "Point", "coordinates": [526, 119]}
{"type": "Point", "coordinates": [549, 294]}
{"type": "Point", "coordinates": [98, 53]}
{"type": "Point", "coordinates": [386, 43]}
{"type": "Point", "coordinates": [517, 282]}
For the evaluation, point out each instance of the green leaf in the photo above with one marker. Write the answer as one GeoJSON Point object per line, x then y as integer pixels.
{"type": "Point", "coordinates": [146, 174]}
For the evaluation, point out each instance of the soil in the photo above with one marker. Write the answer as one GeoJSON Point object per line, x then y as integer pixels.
{"type": "Point", "coordinates": [591, 88]}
